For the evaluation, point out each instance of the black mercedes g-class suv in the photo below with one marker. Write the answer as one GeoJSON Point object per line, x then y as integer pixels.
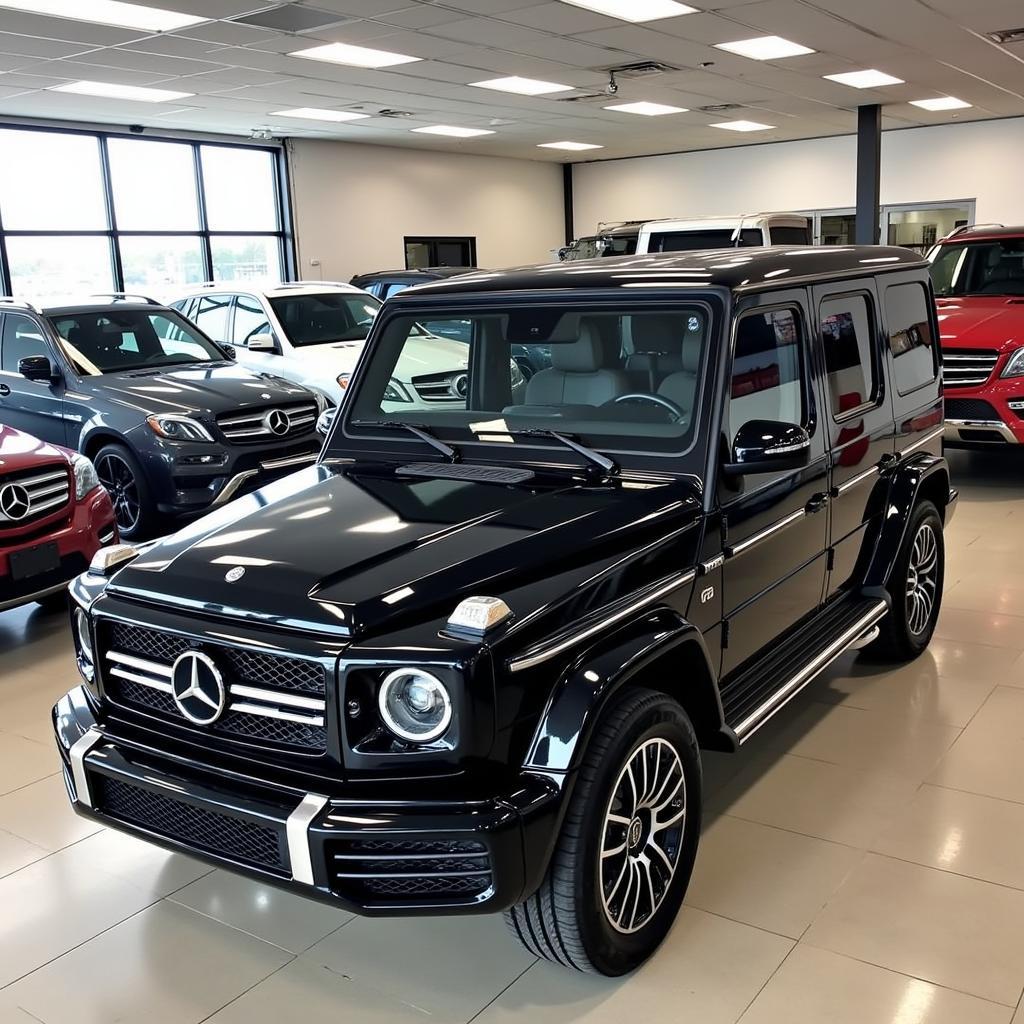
{"type": "Point", "coordinates": [467, 662]}
{"type": "Point", "coordinates": [173, 424]}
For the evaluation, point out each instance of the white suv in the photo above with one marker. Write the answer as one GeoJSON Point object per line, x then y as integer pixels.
{"type": "Point", "coordinates": [313, 333]}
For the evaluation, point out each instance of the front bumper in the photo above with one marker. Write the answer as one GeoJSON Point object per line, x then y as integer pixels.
{"type": "Point", "coordinates": [375, 857]}
{"type": "Point", "coordinates": [990, 415]}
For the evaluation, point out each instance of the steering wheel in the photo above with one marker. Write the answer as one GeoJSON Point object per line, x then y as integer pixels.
{"type": "Point", "coordinates": [676, 414]}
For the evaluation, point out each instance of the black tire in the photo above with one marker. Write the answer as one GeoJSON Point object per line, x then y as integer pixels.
{"type": "Point", "coordinates": [53, 603]}
{"type": "Point", "coordinates": [568, 920]}
{"type": "Point", "coordinates": [120, 473]}
{"type": "Point", "coordinates": [907, 630]}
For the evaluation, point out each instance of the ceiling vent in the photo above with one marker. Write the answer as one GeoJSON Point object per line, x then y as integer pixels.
{"type": "Point", "coordinates": [388, 112]}
{"type": "Point", "coordinates": [720, 108]}
{"type": "Point", "coordinates": [583, 97]}
{"type": "Point", "coordinates": [290, 18]}
{"type": "Point", "coordinates": [1009, 35]}
{"type": "Point", "coordinates": [642, 69]}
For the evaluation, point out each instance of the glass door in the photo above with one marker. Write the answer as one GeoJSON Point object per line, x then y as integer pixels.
{"type": "Point", "coordinates": [919, 226]}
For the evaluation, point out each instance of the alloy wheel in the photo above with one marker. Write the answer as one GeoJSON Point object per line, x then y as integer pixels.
{"type": "Point", "coordinates": [643, 834]}
{"type": "Point", "coordinates": [922, 579]}
{"type": "Point", "coordinates": [117, 477]}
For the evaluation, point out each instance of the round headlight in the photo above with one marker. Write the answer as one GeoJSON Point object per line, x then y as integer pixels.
{"type": "Point", "coordinates": [415, 705]}
{"type": "Point", "coordinates": [82, 633]}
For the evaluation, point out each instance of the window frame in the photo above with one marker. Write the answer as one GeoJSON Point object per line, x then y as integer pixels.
{"type": "Point", "coordinates": [112, 233]}
{"type": "Point", "coordinates": [877, 366]}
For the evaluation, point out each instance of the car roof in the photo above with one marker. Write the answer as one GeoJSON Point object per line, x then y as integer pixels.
{"type": "Point", "coordinates": [270, 291]}
{"type": "Point", "coordinates": [751, 220]}
{"type": "Point", "coordinates": [96, 305]}
{"type": "Point", "coordinates": [430, 273]}
{"type": "Point", "coordinates": [976, 232]}
{"type": "Point", "coordinates": [739, 270]}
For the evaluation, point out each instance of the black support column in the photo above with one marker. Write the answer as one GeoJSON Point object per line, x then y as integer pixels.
{"type": "Point", "coordinates": [869, 169]}
{"type": "Point", "coordinates": [567, 200]}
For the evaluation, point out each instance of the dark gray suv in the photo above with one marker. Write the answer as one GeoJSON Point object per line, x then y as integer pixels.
{"type": "Point", "coordinates": [173, 424]}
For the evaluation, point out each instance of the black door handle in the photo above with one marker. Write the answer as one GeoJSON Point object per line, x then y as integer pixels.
{"type": "Point", "coordinates": [817, 503]}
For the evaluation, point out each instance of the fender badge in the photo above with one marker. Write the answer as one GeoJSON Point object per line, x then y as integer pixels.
{"type": "Point", "coordinates": [234, 575]}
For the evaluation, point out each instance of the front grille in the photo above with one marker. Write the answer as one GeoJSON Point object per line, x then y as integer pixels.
{"type": "Point", "coordinates": [38, 493]}
{"type": "Point", "coordinates": [442, 387]}
{"type": "Point", "coordinates": [271, 699]}
{"type": "Point", "coordinates": [970, 409]}
{"type": "Point", "coordinates": [966, 367]}
{"type": "Point", "coordinates": [274, 423]}
{"type": "Point", "coordinates": [406, 870]}
{"type": "Point", "coordinates": [195, 827]}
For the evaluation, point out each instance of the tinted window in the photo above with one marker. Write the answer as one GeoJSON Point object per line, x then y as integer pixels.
{"type": "Point", "coordinates": [250, 319]}
{"type": "Point", "coordinates": [910, 336]}
{"type": "Point", "coordinates": [767, 380]}
{"type": "Point", "coordinates": [320, 319]}
{"type": "Point", "coordinates": [713, 238]}
{"type": "Point", "coordinates": [980, 268]}
{"type": "Point", "coordinates": [846, 335]}
{"type": "Point", "coordinates": [21, 339]}
{"type": "Point", "coordinates": [212, 316]}
{"type": "Point", "coordinates": [394, 288]}
{"type": "Point", "coordinates": [790, 236]}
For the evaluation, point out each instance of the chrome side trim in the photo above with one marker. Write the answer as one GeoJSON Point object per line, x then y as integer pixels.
{"type": "Point", "coordinates": [813, 668]}
{"type": "Point", "coordinates": [855, 480]}
{"type": "Point", "coordinates": [712, 564]}
{"type": "Point", "coordinates": [745, 545]}
{"type": "Point", "coordinates": [152, 667]}
{"type": "Point", "coordinates": [277, 697]}
{"type": "Point", "coordinates": [77, 753]}
{"type": "Point", "coordinates": [952, 430]}
{"type": "Point", "coordinates": [229, 489]}
{"type": "Point", "coordinates": [937, 432]}
{"type": "Point", "coordinates": [546, 653]}
{"type": "Point", "coordinates": [284, 716]}
{"type": "Point", "coordinates": [297, 834]}
{"type": "Point", "coordinates": [293, 460]}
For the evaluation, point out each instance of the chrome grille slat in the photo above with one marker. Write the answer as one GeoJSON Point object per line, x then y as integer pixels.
{"type": "Point", "coordinates": [250, 426]}
{"type": "Point", "coordinates": [963, 368]}
{"type": "Point", "coordinates": [47, 490]}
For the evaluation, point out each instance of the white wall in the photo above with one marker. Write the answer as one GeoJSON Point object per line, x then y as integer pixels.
{"type": "Point", "coordinates": [979, 161]}
{"type": "Point", "coordinates": [354, 204]}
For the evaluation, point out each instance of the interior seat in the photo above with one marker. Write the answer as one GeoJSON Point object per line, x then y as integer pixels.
{"type": "Point", "coordinates": [658, 351]}
{"type": "Point", "coordinates": [582, 372]}
{"type": "Point", "coordinates": [681, 387]}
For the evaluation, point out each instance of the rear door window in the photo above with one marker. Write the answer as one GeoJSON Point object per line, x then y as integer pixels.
{"type": "Point", "coordinates": [212, 316]}
{"type": "Point", "coordinates": [911, 339]}
{"type": "Point", "coordinates": [847, 338]}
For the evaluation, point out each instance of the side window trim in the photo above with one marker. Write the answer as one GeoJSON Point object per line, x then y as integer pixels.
{"type": "Point", "coordinates": [875, 334]}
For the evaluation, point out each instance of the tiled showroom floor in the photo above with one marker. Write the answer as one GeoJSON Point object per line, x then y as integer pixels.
{"type": "Point", "coordinates": [862, 862]}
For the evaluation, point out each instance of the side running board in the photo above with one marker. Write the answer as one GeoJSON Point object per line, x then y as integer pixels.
{"type": "Point", "coordinates": [762, 689]}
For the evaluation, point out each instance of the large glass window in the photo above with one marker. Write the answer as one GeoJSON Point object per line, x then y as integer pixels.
{"type": "Point", "coordinates": [83, 212]}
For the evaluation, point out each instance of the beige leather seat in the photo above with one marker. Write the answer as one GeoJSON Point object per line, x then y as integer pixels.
{"type": "Point", "coordinates": [582, 372]}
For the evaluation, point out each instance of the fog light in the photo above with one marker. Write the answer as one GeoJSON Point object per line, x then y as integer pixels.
{"type": "Point", "coordinates": [82, 634]}
{"type": "Point", "coordinates": [415, 705]}
{"type": "Point", "coordinates": [201, 460]}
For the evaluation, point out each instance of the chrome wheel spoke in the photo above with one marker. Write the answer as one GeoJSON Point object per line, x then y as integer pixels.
{"type": "Point", "coordinates": [922, 582]}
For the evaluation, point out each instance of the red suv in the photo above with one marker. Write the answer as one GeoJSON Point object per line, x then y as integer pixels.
{"type": "Point", "coordinates": [54, 516]}
{"type": "Point", "coordinates": [978, 274]}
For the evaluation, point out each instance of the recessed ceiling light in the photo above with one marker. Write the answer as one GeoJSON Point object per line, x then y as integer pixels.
{"type": "Point", "coordinates": [870, 79]}
{"type": "Point", "coordinates": [635, 10]}
{"type": "Point", "coordinates": [575, 146]}
{"type": "Point", "coordinates": [524, 86]}
{"type": "Point", "coordinates": [941, 103]}
{"type": "Point", "coordinates": [112, 91]}
{"type": "Point", "coordinates": [647, 109]}
{"type": "Point", "coordinates": [453, 131]}
{"type": "Point", "coordinates": [316, 114]}
{"type": "Point", "coordinates": [354, 56]}
{"type": "Point", "coordinates": [109, 12]}
{"type": "Point", "coordinates": [765, 48]}
{"type": "Point", "coordinates": [743, 126]}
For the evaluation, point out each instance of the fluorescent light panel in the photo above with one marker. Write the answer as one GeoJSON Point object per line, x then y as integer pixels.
{"type": "Point", "coordinates": [575, 146]}
{"type": "Point", "coordinates": [453, 131]}
{"type": "Point", "coordinates": [646, 109]}
{"type": "Point", "coordinates": [354, 56]}
{"type": "Point", "coordinates": [317, 114]}
{"type": "Point", "coordinates": [634, 10]}
{"type": "Point", "coordinates": [869, 79]}
{"type": "Point", "coordinates": [743, 126]}
{"type": "Point", "coordinates": [941, 103]}
{"type": "Point", "coordinates": [765, 48]}
{"type": "Point", "coordinates": [108, 12]}
{"type": "Point", "coordinates": [113, 91]}
{"type": "Point", "coordinates": [523, 86]}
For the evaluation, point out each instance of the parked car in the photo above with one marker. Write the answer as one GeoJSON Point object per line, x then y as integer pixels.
{"type": "Point", "coordinates": [637, 237]}
{"type": "Point", "coordinates": [978, 274]}
{"type": "Point", "coordinates": [313, 334]}
{"type": "Point", "coordinates": [468, 661]}
{"type": "Point", "coordinates": [173, 425]}
{"type": "Point", "coordinates": [54, 516]}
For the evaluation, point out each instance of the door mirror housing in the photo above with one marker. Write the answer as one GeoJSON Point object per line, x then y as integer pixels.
{"type": "Point", "coordinates": [38, 368]}
{"type": "Point", "coordinates": [260, 343]}
{"type": "Point", "coordinates": [768, 446]}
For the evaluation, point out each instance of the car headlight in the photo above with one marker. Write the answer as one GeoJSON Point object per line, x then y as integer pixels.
{"type": "Point", "coordinates": [395, 392]}
{"type": "Point", "coordinates": [175, 427]}
{"type": "Point", "coordinates": [415, 705]}
{"type": "Point", "coordinates": [83, 634]}
{"type": "Point", "coordinates": [86, 479]}
{"type": "Point", "coordinates": [1015, 367]}
{"type": "Point", "coordinates": [324, 421]}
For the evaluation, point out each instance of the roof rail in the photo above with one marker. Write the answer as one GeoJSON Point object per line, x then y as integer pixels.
{"type": "Point", "coordinates": [10, 300]}
{"type": "Point", "coordinates": [125, 296]}
{"type": "Point", "coordinates": [306, 284]}
{"type": "Point", "coordinates": [972, 227]}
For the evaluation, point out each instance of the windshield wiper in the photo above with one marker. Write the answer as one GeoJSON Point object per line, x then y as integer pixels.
{"type": "Point", "coordinates": [450, 453]}
{"type": "Point", "coordinates": [599, 459]}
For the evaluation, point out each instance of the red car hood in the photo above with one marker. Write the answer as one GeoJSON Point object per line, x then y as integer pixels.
{"type": "Point", "coordinates": [993, 322]}
{"type": "Point", "coordinates": [23, 451]}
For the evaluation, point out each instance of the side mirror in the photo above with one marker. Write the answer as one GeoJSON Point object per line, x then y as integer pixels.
{"type": "Point", "coordinates": [766, 446]}
{"type": "Point", "coordinates": [325, 420]}
{"type": "Point", "coordinates": [260, 343]}
{"type": "Point", "coordinates": [37, 368]}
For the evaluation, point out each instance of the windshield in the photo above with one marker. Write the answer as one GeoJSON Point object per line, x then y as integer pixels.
{"type": "Point", "coordinates": [628, 381]}
{"type": "Point", "coordinates": [979, 268]}
{"type": "Point", "coordinates": [114, 340]}
{"type": "Point", "coordinates": [319, 319]}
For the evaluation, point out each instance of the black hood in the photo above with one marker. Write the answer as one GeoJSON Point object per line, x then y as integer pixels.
{"type": "Point", "coordinates": [201, 388]}
{"type": "Point", "coordinates": [345, 551]}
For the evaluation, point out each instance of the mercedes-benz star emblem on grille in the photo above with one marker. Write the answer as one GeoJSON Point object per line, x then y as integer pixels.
{"type": "Point", "coordinates": [14, 501]}
{"type": "Point", "coordinates": [198, 688]}
{"type": "Point", "coordinates": [460, 385]}
{"type": "Point", "coordinates": [277, 422]}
